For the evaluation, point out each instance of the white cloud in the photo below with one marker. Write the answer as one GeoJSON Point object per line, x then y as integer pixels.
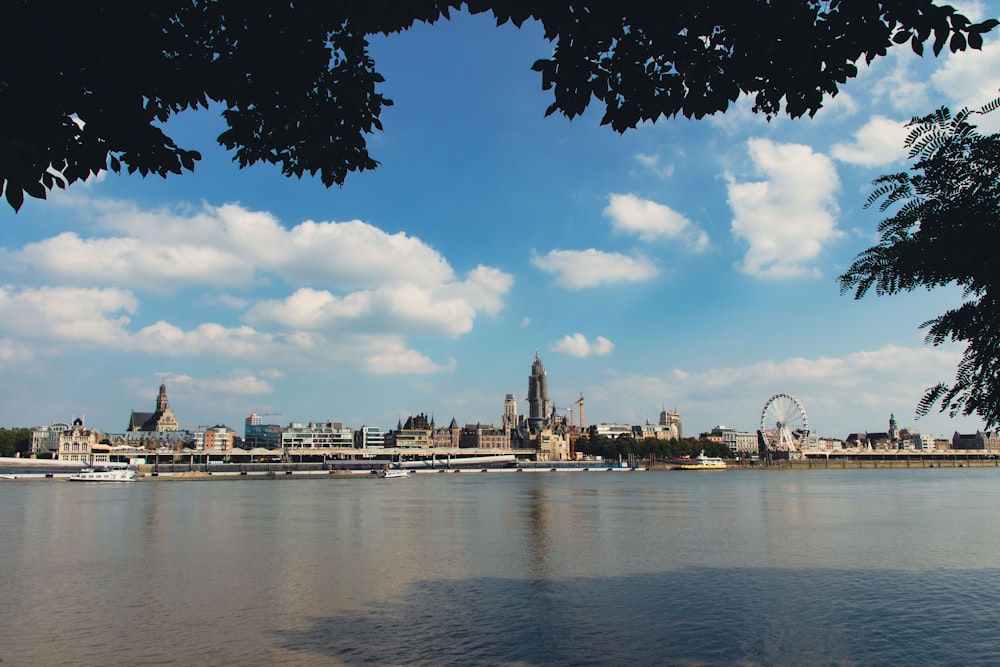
{"type": "Point", "coordinates": [358, 287]}
{"type": "Point", "coordinates": [652, 221]}
{"type": "Point", "coordinates": [971, 79]}
{"type": "Point", "coordinates": [393, 357]}
{"type": "Point", "coordinates": [13, 353]}
{"type": "Point", "coordinates": [905, 93]}
{"type": "Point", "coordinates": [238, 382]}
{"type": "Point", "coordinates": [576, 269]}
{"type": "Point", "coordinates": [652, 164]}
{"type": "Point", "coordinates": [577, 345]}
{"type": "Point", "coordinates": [448, 310]}
{"type": "Point", "coordinates": [88, 316]}
{"type": "Point", "coordinates": [787, 218]}
{"type": "Point", "coordinates": [878, 143]}
{"type": "Point", "coordinates": [840, 394]}
{"type": "Point", "coordinates": [227, 246]}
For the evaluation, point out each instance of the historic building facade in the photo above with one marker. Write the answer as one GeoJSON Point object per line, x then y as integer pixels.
{"type": "Point", "coordinates": [161, 419]}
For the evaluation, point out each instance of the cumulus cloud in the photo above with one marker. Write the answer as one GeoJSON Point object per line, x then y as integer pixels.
{"type": "Point", "coordinates": [354, 286]}
{"type": "Point", "coordinates": [54, 320]}
{"type": "Point", "coordinates": [448, 310]}
{"type": "Point", "coordinates": [652, 221]}
{"type": "Point", "coordinates": [787, 218]}
{"type": "Point", "coordinates": [897, 83]}
{"type": "Point", "coordinates": [971, 78]}
{"type": "Point", "coordinates": [840, 394]}
{"type": "Point", "coordinates": [576, 269]}
{"type": "Point", "coordinates": [577, 345]}
{"type": "Point", "coordinates": [878, 143]}
{"type": "Point", "coordinates": [66, 314]}
{"type": "Point", "coordinates": [228, 246]}
{"type": "Point", "coordinates": [239, 382]}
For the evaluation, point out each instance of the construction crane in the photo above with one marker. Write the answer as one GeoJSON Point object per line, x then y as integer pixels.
{"type": "Point", "coordinates": [579, 402]}
{"type": "Point", "coordinates": [572, 426]}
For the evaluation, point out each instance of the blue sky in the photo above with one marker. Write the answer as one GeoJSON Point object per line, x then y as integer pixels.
{"type": "Point", "coordinates": [686, 265]}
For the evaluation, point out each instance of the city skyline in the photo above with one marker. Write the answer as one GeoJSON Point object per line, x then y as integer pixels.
{"type": "Point", "coordinates": [686, 265]}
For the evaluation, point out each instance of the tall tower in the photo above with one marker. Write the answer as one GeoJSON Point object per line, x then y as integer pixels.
{"type": "Point", "coordinates": [161, 400]}
{"type": "Point", "coordinates": [538, 394]}
{"type": "Point", "coordinates": [509, 420]}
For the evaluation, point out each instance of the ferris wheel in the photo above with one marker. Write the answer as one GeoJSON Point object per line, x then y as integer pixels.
{"type": "Point", "coordinates": [783, 424]}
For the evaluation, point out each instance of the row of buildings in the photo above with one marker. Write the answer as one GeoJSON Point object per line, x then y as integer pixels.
{"type": "Point", "coordinates": [542, 432]}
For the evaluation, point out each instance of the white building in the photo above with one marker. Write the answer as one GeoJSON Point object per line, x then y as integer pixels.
{"type": "Point", "coordinates": [738, 442]}
{"type": "Point", "coordinates": [317, 435]}
{"type": "Point", "coordinates": [45, 439]}
{"type": "Point", "coordinates": [369, 437]}
{"type": "Point", "coordinates": [610, 430]}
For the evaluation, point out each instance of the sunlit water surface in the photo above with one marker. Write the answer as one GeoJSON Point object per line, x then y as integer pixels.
{"type": "Point", "coordinates": [841, 567]}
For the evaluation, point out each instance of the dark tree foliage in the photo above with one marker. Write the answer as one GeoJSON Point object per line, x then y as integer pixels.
{"type": "Point", "coordinates": [644, 448]}
{"type": "Point", "coordinates": [945, 231]}
{"type": "Point", "coordinates": [14, 440]}
{"type": "Point", "coordinates": [87, 86]}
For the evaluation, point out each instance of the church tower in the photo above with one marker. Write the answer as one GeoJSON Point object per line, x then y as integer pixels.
{"type": "Point", "coordinates": [538, 395]}
{"type": "Point", "coordinates": [161, 400]}
{"type": "Point", "coordinates": [509, 420]}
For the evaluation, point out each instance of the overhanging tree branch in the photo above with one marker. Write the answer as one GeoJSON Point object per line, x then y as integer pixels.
{"type": "Point", "coordinates": [87, 86]}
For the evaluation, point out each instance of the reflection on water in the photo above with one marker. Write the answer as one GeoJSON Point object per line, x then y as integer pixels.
{"type": "Point", "coordinates": [739, 568]}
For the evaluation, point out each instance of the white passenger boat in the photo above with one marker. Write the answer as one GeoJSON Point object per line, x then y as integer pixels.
{"type": "Point", "coordinates": [109, 474]}
{"type": "Point", "coordinates": [394, 472]}
{"type": "Point", "coordinates": [702, 462]}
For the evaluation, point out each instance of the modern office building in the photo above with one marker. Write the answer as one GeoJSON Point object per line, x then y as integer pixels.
{"type": "Point", "coordinates": [317, 435]}
{"type": "Point", "coordinates": [258, 435]}
{"type": "Point", "coordinates": [45, 439]}
{"type": "Point", "coordinates": [369, 437]}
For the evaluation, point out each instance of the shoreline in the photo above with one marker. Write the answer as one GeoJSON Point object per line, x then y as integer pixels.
{"type": "Point", "coordinates": [806, 465]}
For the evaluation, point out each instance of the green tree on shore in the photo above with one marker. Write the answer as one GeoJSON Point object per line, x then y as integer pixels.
{"type": "Point", "coordinates": [643, 448]}
{"type": "Point", "coordinates": [14, 440]}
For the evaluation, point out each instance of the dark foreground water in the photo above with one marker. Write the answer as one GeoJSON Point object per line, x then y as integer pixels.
{"type": "Point", "coordinates": [840, 567]}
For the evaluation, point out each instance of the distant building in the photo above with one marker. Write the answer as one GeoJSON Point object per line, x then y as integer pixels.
{"type": "Point", "coordinates": [78, 443]}
{"type": "Point", "coordinates": [45, 439]}
{"type": "Point", "coordinates": [738, 442]}
{"type": "Point", "coordinates": [217, 437]}
{"type": "Point", "coordinates": [161, 419]}
{"type": "Point", "coordinates": [539, 405]}
{"type": "Point", "coordinates": [417, 432]}
{"type": "Point", "coordinates": [609, 430]}
{"type": "Point", "coordinates": [258, 435]}
{"type": "Point", "coordinates": [369, 437]}
{"type": "Point", "coordinates": [317, 435]}
{"type": "Point", "coordinates": [985, 440]}
{"type": "Point", "coordinates": [480, 436]}
{"type": "Point", "coordinates": [448, 437]}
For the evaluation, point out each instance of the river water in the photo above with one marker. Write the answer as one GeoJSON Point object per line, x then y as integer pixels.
{"type": "Point", "coordinates": [838, 567]}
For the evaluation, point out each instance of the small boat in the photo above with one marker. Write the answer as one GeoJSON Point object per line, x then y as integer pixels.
{"type": "Point", "coordinates": [109, 474]}
{"type": "Point", "coordinates": [702, 462]}
{"type": "Point", "coordinates": [394, 472]}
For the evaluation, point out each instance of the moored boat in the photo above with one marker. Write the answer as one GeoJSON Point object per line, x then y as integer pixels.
{"type": "Point", "coordinates": [110, 474]}
{"type": "Point", "coordinates": [702, 462]}
{"type": "Point", "coordinates": [394, 472]}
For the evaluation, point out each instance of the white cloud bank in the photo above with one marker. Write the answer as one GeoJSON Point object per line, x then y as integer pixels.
{"type": "Point", "coordinates": [577, 269]}
{"type": "Point", "coordinates": [787, 218]}
{"type": "Point", "coordinates": [577, 345]}
{"type": "Point", "coordinates": [854, 392]}
{"type": "Point", "coordinates": [359, 291]}
{"type": "Point", "coordinates": [878, 143]}
{"type": "Point", "coordinates": [652, 221]}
